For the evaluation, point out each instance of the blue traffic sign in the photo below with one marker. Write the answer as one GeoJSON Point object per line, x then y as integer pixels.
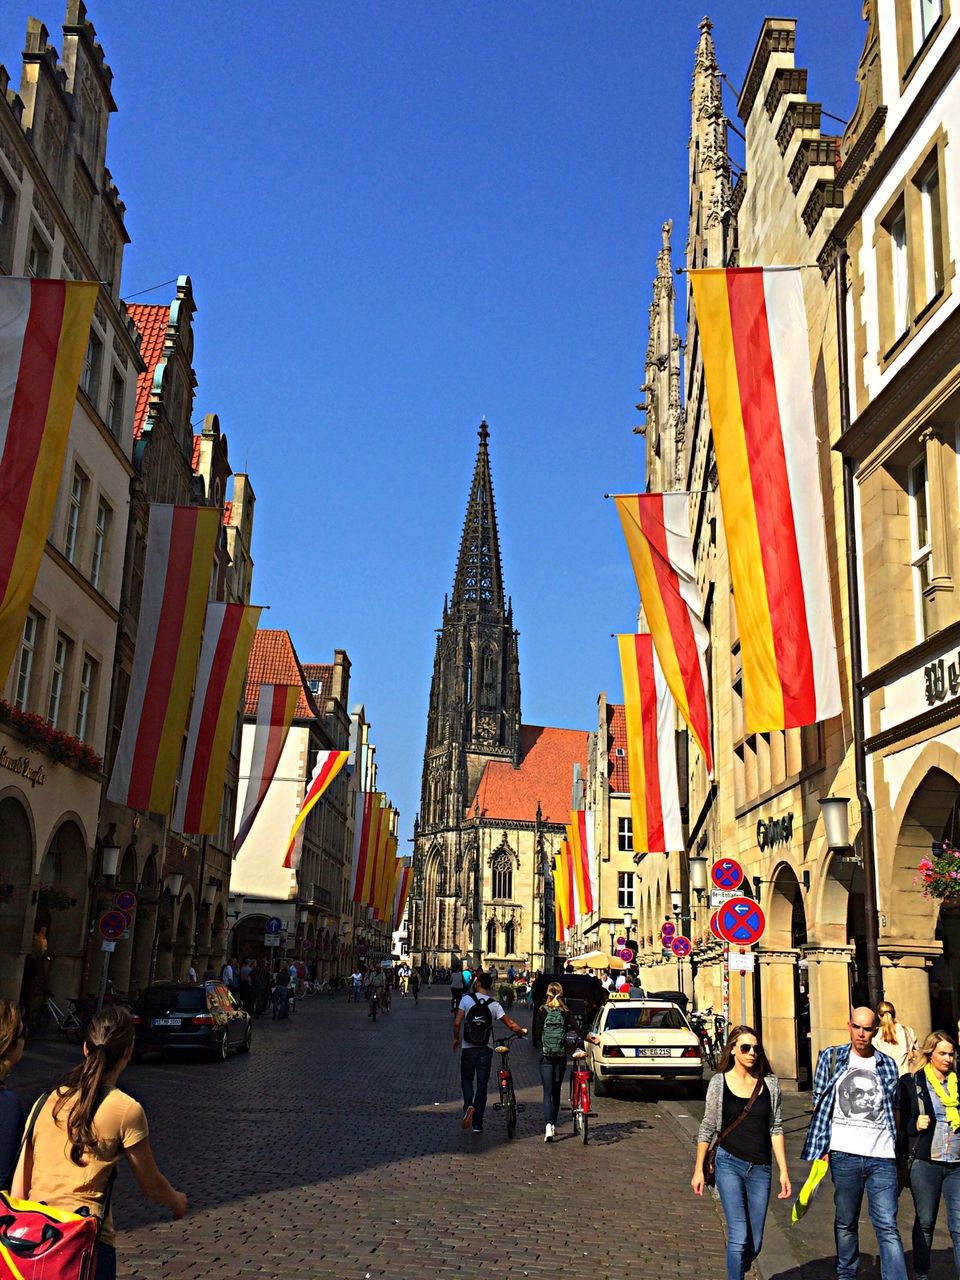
{"type": "Point", "coordinates": [727, 874]}
{"type": "Point", "coordinates": [681, 946]}
{"type": "Point", "coordinates": [273, 925]}
{"type": "Point", "coordinates": [741, 922]}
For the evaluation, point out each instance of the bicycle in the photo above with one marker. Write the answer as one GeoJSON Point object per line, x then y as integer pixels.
{"type": "Point", "coordinates": [69, 1021]}
{"type": "Point", "coordinates": [580, 1095]}
{"type": "Point", "coordinates": [508, 1097]}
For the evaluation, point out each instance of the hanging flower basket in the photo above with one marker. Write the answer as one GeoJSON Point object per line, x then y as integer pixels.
{"type": "Point", "coordinates": [34, 731]}
{"type": "Point", "coordinates": [939, 874]}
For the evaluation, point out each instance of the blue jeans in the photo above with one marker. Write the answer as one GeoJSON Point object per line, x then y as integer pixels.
{"type": "Point", "coordinates": [552, 1071]}
{"type": "Point", "coordinates": [475, 1062]}
{"type": "Point", "coordinates": [929, 1180]}
{"type": "Point", "coordinates": [744, 1191]}
{"type": "Point", "coordinates": [106, 1263]}
{"type": "Point", "coordinates": [852, 1175]}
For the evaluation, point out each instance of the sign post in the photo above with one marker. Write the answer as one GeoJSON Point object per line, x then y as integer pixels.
{"type": "Point", "coordinates": [743, 992]}
{"type": "Point", "coordinates": [726, 987]}
{"type": "Point", "coordinates": [112, 925]}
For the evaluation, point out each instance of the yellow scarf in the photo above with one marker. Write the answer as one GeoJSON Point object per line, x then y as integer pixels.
{"type": "Point", "coordinates": [949, 1096]}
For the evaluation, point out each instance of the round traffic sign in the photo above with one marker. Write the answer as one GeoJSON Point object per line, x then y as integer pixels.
{"type": "Point", "coordinates": [713, 927]}
{"type": "Point", "coordinates": [127, 900]}
{"type": "Point", "coordinates": [741, 922]}
{"type": "Point", "coordinates": [273, 925]}
{"type": "Point", "coordinates": [307, 944]}
{"type": "Point", "coordinates": [667, 930]}
{"type": "Point", "coordinates": [726, 874]}
{"type": "Point", "coordinates": [622, 940]}
{"type": "Point", "coordinates": [625, 954]}
{"type": "Point", "coordinates": [681, 946]}
{"type": "Point", "coordinates": [113, 925]}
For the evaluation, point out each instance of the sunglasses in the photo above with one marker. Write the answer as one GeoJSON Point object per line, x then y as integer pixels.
{"type": "Point", "coordinates": [748, 1048]}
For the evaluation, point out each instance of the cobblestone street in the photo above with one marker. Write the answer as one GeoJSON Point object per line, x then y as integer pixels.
{"type": "Point", "coordinates": [334, 1149]}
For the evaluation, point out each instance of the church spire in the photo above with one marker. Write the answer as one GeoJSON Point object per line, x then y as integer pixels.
{"type": "Point", "coordinates": [478, 584]}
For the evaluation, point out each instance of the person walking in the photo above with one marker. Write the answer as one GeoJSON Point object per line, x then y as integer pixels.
{"type": "Point", "coordinates": [930, 1114]}
{"type": "Point", "coordinates": [893, 1038]}
{"type": "Point", "coordinates": [742, 1119]}
{"type": "Point", "coordinates": [456, 989]}
{"type": "Point", "coordinates": [475, 1019]}
{"type": "Point", "coordinates": [854, 1127]}
{"type": "Point", "coordinates": [552, 1024]}
{"type": "Point", "coordinates": [356, 981]}
{"type": "Point", "coordinates": [83, 1127]}
{"type": "Point", "coordinates": [13, 1037]}
{"type": "Point", "coordinates": [415, 985]}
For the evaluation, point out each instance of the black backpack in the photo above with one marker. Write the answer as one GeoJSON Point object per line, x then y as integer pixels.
{"type": "Point", "coordinates": [478, 1024]}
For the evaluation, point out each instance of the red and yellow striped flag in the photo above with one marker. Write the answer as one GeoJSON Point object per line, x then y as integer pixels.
{"type": "Point", "coordinates": [329, 764]}
{"type": "Point", "coordinates": [227, 637]}
{"type": "Point", "coordinates": [651, 749]}
{"type": "Point", "coordinates": [44, 330]}
{"type": "Point", "coordinates": [365, 807]}
{"type": "Point", "coordinates": [180, 548]}
{"type": "Point", "coordinates": [564, 888]}
{"type": "Point", "coordinates": [402, 892]}
{"type": "Point", "coordinates": [580, 837]}
{"type": "Point", "coordinates": [756, 359]}
{"type": "Point", "coordinates": [386, 862]}
{"type": "Point", "coordinates": [276, 705]}
{"type": "Point", "coordinates": [657, 530]}
{"type": "Point", "coordinates": [373, 818]}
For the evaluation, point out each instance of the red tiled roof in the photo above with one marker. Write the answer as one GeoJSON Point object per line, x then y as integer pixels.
{"type": "Point", "coordinates": [619, 767]}
{"type": "Point", "coordinates": [152, 321]}
{"type": "Point", "coordinates": [273, 660]}
{"type": "Point", "coordinates": [195, 460]}
{"type": "Point", "coordinates": [544, 776]}
{"type": "Point", "coordinates": [322, 671]}
{"type": "Point", "coordinates": [227, 512]}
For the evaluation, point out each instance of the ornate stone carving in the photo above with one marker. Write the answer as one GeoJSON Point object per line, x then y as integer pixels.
{"type": "Point", "coordinates": [44, 214]}
{"type": "Point", "coordinates": [10, 151]}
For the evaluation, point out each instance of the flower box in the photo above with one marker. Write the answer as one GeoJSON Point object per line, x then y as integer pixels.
{"type": "Point", "coordinates": [35, 732]}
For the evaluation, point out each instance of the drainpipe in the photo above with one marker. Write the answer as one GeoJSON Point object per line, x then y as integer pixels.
{"type": "Point", "coordinates": [867, 830]}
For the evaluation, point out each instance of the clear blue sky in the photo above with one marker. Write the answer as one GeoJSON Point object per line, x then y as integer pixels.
{"type": "Point", "coordinates": [398, 218]}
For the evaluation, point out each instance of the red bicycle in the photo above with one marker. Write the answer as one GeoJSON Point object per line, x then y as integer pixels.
{"type": "Point", "coordinates": [580, 1095]}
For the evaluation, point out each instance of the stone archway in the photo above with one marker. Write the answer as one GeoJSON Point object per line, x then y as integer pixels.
{"type": "Point", "coordinates": [61, 914]}
{"type": "Point", "coordinates": [183, 946]}
{"type": "Point", "coordinates": [146, 926]}
{"type": "Point", "coordinates": [784, 992]}
{"type": "Point", "coordinates": [16, 876]}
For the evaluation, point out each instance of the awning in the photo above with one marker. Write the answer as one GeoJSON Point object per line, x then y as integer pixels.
{"type": "Point", "coordinates": [596, 960]}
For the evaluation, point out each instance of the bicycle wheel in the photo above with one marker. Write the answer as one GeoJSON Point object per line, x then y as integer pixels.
{"type": "Point", "coordinates": [510, 1108]}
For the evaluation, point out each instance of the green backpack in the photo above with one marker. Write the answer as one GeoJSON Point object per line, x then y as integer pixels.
{"type": "Point", "coordinates": [553, 1039]}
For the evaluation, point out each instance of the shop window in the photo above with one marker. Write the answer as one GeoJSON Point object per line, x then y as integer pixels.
{"type": "Point", "coordinates": [921, 558]}
{"type": "Point", "coordinates": [625, 835]}
{"type": "Point", "coordinates": [624, 889]}
{"type": "Point", "coordinates": [28, 648]}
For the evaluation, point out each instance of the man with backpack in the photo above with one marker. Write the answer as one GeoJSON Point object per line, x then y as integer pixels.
{"type": "Point", "coordinates": [475, 1018]}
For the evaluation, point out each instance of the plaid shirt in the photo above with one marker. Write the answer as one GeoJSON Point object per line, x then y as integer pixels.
{"type": "Point", "coordinates": [825, 1083]}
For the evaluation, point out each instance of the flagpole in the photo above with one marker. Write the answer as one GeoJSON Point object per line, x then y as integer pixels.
{"type": "Point", "coordinates": [666, 494]}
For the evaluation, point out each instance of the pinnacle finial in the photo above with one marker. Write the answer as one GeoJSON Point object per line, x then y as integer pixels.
{"type": "Point", "coordinates": [706, 26]}
{"type": "Point", "coordinates": [484, 432]}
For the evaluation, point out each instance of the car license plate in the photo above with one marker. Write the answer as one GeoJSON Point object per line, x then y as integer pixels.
{"type": "Point", "coordinates": [165, 1022]}
{"type": "Point", "coordinates": [652, 1053]}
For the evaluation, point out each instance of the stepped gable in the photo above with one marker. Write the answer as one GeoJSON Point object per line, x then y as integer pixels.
{"type": "Point", "coordinates": [543, 777]}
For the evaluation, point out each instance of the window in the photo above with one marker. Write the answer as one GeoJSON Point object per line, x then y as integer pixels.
{"type": "Point", "coordinates": [510, 939]}
{"type": "Point", "coordinates": [503, 876]}
{"type": "Point", "coordinates": [926, 14]}
{"type": "Point", "coordinates": [624, 889]}
{"type": "Point", "coordinates": [88, 676]}
{"type": "Point", "coordinates": [492, 937]}
{"type": "Point", "coordinates": [928, 185]}
{"type": "Point", "coordinates": [61, 663]}
{"type": "Point", "coordinates": [897, 230]}
{"type": "Point", "coordinates": [115, 410]}
{"type": "Point", "coordinates": [104, 519]}
{"type": "Point", "coordinates": [38, 259]}
{"type": "Point", "coordinates": [78, 493]}
{"type": "Point", "coordinates": [28, 646]}
{"type": "Point", "coordinates": [92, 363]}
{"type": "Point", "coordinates": [920, 538]}
{"type": "Point", "coordinates": [8, 210]}
{"type": "Point", "coordinates": [625, 835]}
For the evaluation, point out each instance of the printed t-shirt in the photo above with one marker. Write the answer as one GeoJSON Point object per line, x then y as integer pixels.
{"type": "Point", "coordinates": [119, 1122]}
{"type": "Point", "coordinates": [496, 1012]}
{"type": "Point", "coordinates": [859, 1125]}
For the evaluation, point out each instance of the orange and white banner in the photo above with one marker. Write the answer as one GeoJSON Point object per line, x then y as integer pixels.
{"type": "Point", "coordinates": [402, 892]}
{"type": "Point", "coordinates": [651, 749]}
{"type": "Point", "coordinates": [181, 542]}
{"type": "Point", "coordinates": [227, 638]}
{"type": "Point", "coordinates": [276, 705]}
{"type": "Point", "coordinates": [44, 330]}
{"type": "Point", "coordinates": [657, 530]}
{"type": "Point", "coordinates": [584, 861]}
{"type": "Point", "coordinates": [329, 764]}
{"type": "Point", "coordinates": [756, 358]}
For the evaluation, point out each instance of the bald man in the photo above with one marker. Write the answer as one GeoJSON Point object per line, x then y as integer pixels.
{"type": "Point", "coordinates": [854, 1126]}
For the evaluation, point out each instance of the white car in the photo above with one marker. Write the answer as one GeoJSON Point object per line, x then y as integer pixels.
{"type": "Point", "coordinates": [644, 1040]}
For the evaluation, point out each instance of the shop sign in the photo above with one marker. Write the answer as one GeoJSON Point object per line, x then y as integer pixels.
{"type": "Point", "coordinates": [774, 831]}
{"type": "Point", "coordinates": [942, 680]}
{"type": "Point", "coordinates": [32, 773]}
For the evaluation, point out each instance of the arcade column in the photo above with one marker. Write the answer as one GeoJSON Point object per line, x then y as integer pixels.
{"type": "Point", "coordinates": [828, 974]}
{"type": "Point", "coordinates": [778, 985]}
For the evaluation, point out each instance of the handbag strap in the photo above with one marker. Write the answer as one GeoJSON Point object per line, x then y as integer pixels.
{"type": "Point", "coordinates": [28, 1136]}
{"type": "Point", "coordinates": [725, 1133]}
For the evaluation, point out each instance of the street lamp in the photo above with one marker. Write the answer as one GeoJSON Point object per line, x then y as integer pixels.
{"type": "Point", "coordinates": [109, 860]}
{"type": "Point", "coordinates": [174, 883]}
{"type": "Point", "coordinates": [698, 875]}
{"type": "Point", "coordinates": [676, 901]}
{"type": "Point", "coordinates": [836, 826]}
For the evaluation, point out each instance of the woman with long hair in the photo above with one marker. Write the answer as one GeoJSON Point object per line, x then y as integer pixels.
{"type": "Point", "coordinates": [894, 1038]}
{"type": "Point", "coordinates": [743, 1112]}
{"type": "Point", "coordinates": [552, 1024]}
{"type": "Point", "coordinates": [13, 1035]}
{"type": "Point", "coordinates": [930, 1114]}
{"type": "Point", "coordinates": [81, 1130]}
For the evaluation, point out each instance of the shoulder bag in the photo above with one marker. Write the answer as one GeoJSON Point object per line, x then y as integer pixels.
{"type": "Point", "coordinates": [905, 1158]}
{"type": "Point", "coordinates": [710, 1159]}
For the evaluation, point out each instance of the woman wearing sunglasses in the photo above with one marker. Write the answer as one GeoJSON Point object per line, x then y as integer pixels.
{"type": "Point", "coordinates": [742, 1122]}
{"type": "Point", "coordinates": [13, 1035]}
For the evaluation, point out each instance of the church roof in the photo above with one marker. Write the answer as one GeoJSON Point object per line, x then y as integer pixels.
{"type": "Point", "coordinates": [544, 776]}
{"type": "Point", "coordinates": [273, 660]}
{"type": "Point", "coordinates": [619, 766]}
{"type": "Point", "coordinates": [478, 582]}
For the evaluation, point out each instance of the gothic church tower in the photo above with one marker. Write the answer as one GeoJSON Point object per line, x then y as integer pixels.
{"type": "Point", "coordinates": [473, 717]}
